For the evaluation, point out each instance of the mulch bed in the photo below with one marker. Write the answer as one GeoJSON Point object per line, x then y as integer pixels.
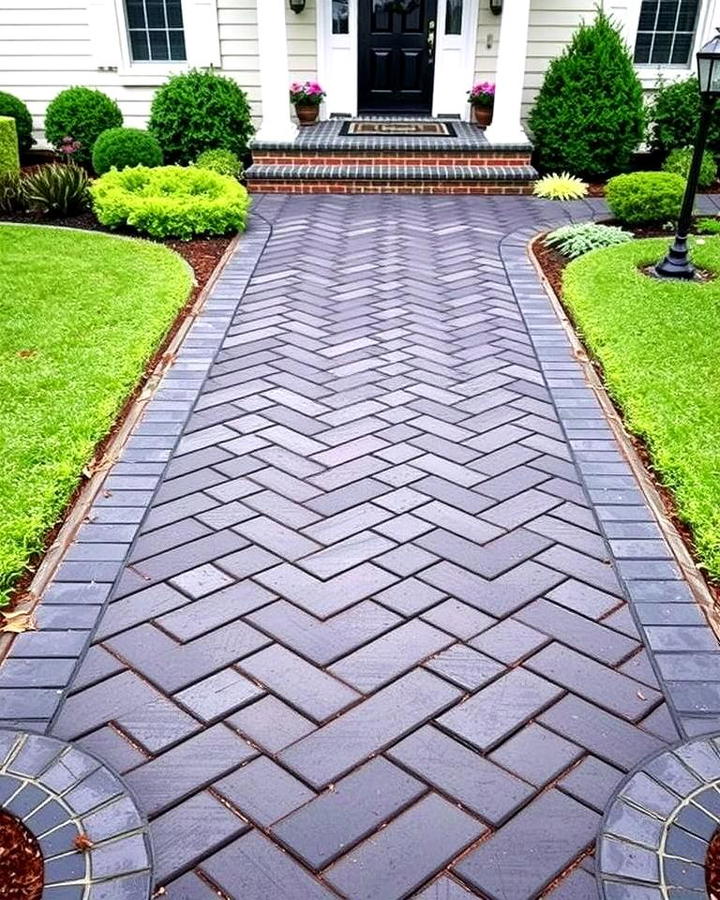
{"type": "Point", "coordinates": [712, 867]}
{"type": "Point", "coordinates": [21, 862]}
{"type": "Point", "coordinates": [552, 265]}
{"type": "Point", "coordinates": [203, 255]}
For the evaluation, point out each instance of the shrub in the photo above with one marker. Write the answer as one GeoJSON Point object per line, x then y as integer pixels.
{"type": "Point", "coordinates": [9, 158]}
{"type": "Point", "coordinates": [645, 197]}
{"type": "Point", "coordinates": [198, 111]}
{"type": "Point", "coordinates": [589, 117]}
{"type": "Point", "coordinates": [12, 197]}
{"type": "Point", "coordinates": [674, 113]}
{"type": "Point", "coordinates": [679, 162]}
{"type": "Point", "coordinates": [576, 240]}
{"type": "Point", "coordinates": [708, 226]}
{"type": "Point", "coordinates": [57, 190]}
{"type": "Point", "coordinates": [224, 162]}
{"type": "Point", "coordinates": [171, 201]}
{"type": "Point", "coordinates": [16, 109]}
{"type": "Point", "coordinates": [81, 114]}
{"type": "Point", "coordinates": [123, 147]}
{"type": "Point", "coordinates": [560, 187]}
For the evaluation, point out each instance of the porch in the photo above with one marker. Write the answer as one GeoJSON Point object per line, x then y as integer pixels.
{"type": "Point", "coordinates": [391, 154]}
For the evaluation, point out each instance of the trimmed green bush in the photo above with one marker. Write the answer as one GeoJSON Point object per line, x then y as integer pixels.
{"type": "Point", "coordinates": [589, 118]}
{"type": "Point", "coordinates": [60, 189]}
{"type": "Point", "coordinates": [198, 111]}
{"type": "Point", "coordinates": [82, 114]}
{"type": "Point", "coordinates": [171, 201]}
{"type": "Point", "coordinates": [577, 240]}
{"type": "Point", "coordinates": [679, 162]}
{"type": "Point", "coordinates": [9, 156]}
{"type": "Point", "coordinates": [10, 105]}
{"type": "Point", "coordinates": [674, 114]}
{"type": "Point", "coordinates": [642, 198]}
{"type": "Point", "coordinates": [708, 225]}
{"type": "Point", "coordinates": [224, 162]}
{"type": "Point", "coordinates": [124, 147]}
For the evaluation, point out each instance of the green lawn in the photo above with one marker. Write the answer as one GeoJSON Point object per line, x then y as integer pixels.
{"type": "Point", "coordinates": [80, 315]}
{"type": "Point", "coordinates": [659, 344]}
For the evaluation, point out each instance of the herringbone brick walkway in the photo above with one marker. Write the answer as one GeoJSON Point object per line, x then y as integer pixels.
{"type": "Point", "coordinates": [369, 642]}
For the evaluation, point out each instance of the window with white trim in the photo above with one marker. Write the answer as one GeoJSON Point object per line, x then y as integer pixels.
{"type": "Point", "coordinates": [666, 32]}
{"type": "Point", "coordinates": [155, 30]}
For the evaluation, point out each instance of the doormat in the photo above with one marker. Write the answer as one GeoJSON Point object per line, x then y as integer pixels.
{"type": "Point", "coordinates": [385, 128]}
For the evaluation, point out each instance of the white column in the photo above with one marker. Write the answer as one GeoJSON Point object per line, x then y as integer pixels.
{"type": "Point", "coordinates": [276, 123]}
{"type": "Point", "coordinates": [510, 74]}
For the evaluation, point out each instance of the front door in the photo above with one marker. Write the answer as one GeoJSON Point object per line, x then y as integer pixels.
{"type": "Point", "coordinates": [396, 58]}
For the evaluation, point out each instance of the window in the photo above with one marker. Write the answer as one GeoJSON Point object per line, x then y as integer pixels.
{"type": "Point", "coordinates": [453, 16]}
{"type": "Point", "coordinates": [666, 31]}
{"type": "Point", "coordinates": [155, 28]}
{"type": "Point", "coordinates": [340, 16]}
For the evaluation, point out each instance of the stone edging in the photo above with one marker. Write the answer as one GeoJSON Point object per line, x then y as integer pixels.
{"type": "Point", "coordinates": [62, 793]}
{"type": "Point", "coordinates": [654, 837]}
{"type": "Point", "coordinates": [682, 646]}
{"type": "Point", "coordinates": [40, 664]}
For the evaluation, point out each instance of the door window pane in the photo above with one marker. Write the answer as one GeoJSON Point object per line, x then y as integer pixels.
{"type": "Point", "coordinates": [155, 28]}
{"type": "Point", "coordinates": [340, 16]}
{"type": "Point", "coordinates": [666, 31]}
{"type": "Point", "coordinates": [453, 16]}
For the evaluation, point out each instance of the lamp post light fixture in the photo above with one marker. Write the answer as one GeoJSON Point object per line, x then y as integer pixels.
{"type": "Point", "coordinates": [676, 263]}
{"type": "Point", "coordinates": [297, 6]}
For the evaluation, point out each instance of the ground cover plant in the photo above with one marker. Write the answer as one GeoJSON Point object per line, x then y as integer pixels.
{"type": "Point", "coordinates": [171, 201]}
{"type": "Point", "coordinates": [81, 313]}
{"type": "Point", "coordinates": [575, 240]}
{"type": "Point", "coordinates": [658, 344]}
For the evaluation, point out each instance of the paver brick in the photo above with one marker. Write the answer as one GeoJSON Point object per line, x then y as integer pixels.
{"type": "Point", "coordinates": [264, 792]}
{"type": "Point", "coordinates": [536, 754]}
{"type": "Point", "coordinates": [271, 724]}
{"type": "Point", "coordinates": [405, 854]}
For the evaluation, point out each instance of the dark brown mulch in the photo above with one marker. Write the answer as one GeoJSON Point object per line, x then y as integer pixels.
{"type": "Point", "coordinates": [21, 862]}
{"type": "Point", "coordinates": [552, 265]}
{"type": "Point", "coordinates": [203, 255]}
{"type": "Point", "coordinates": [712, 867]}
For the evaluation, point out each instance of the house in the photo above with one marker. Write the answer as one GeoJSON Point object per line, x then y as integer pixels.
{"type": "Point", "coordinates": [380, 58]}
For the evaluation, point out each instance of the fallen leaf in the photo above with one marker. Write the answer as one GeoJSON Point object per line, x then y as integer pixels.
{"type": "Point", "coordinates": [82, 842]}
{"type": "Point", "coordinates": [18, 622]}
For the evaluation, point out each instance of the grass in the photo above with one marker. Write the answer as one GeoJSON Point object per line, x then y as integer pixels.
{"type": "Point", "coordinates": [659, 345]}
{"type": "Point", "coordinates": [81, 314]}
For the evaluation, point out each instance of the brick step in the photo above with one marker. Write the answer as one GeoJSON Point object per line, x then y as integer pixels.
{"type": "Point", "coordinates": [348, 179]}
{"type": "Point", "coordinates": [495, 156]}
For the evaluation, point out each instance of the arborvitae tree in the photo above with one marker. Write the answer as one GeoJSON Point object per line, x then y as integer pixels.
{"type": "Point", "coordinates": [589, 115]}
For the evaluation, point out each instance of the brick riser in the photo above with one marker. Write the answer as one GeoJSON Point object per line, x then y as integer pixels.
{"type": "Point", "coordinates": [391, 158]}
{"type": "Point", "coordinates": [385, 186]}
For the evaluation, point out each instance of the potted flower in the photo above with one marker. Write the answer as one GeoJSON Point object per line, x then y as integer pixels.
{"type": "Point", "coordinates": [481, 98]}
{"type": "Point", "coordinates": [307, 98]}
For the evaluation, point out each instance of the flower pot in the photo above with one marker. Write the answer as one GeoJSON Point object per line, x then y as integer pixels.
{"type": "Point", "coordinates": [483, 115]}
{"type": "Point", "coordinates": [307, 115]}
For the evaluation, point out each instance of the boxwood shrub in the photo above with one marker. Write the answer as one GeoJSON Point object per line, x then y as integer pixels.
{"type": "Point", "coordinates": [679, 161]}
{"type": "Point", "coordinates": [642, 198]}
{"type": "Point", "coordinates": [224, 162]}
{"type": "Point", "coordinates": [171, 201]}
{"type": "Point", "coordinates": [123, 147]}
{"type": "Point", "coordinates": [12, 106]}
{"type": "Point", "coordinates": [674, 113]}
{"type": "Point", "coordinates": [82, 114]}
{"type": "Point", "coordinates": [9, 158]}
{"type": "Point", "coordinates": [197, 111]}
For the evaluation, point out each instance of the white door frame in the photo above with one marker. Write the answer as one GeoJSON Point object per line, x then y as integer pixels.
{"type": "Point", "coordinates": [337, 56]}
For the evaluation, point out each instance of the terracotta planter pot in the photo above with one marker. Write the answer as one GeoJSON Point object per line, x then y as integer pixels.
{"type": "Point", "coordinates": [307, 115]}
{"type": "Point", "coordinates": [483, 115]}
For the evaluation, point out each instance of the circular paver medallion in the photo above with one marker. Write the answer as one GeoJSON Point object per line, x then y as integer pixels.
{"type": "Point", "coordinates": [93, 838]}
{"type": "Point", "coordinates": [654, 838]}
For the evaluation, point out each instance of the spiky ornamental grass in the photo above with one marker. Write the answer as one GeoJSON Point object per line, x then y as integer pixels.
{"type": "Point", "coordinates": [589, 115]}
{"type": "Point", "coordinates": [659, 344]}
{"type": "Point", "coordinates": [80, 315]}
{"type": "Point", "coordinates": [560, 186]}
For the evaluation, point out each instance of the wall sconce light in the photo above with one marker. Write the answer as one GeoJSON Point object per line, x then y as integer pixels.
{"type": "Point", "coordinates": [297, 6]}
{"type": "Point", "coordinates": [496, 7]}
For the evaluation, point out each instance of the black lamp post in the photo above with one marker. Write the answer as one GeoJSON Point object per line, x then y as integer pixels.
{"type": "Point", "coordinates": [676, 263]}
